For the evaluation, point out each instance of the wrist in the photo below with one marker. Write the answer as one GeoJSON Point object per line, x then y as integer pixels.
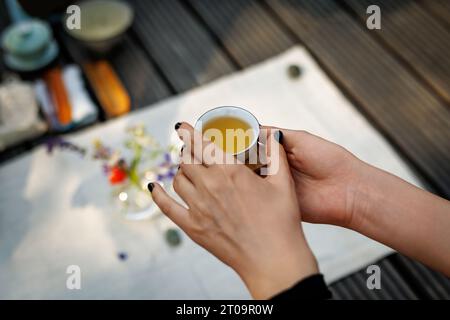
{"type": "Point", "coordinates": [265, 279]}
{"type": "Point", "coordinates": [372, 188]}
{"type": "Point", "coordinates": [359, 195]}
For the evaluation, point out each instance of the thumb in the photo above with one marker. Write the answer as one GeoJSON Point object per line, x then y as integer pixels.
{"type": "Point", "coordinates": [278, 167]}
{"type": "Point", "coordinates": [290, 137]}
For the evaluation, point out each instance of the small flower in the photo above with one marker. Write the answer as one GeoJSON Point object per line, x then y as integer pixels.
{"type": "Point", "coordinates": [101, 152]}
{"type": "Point", "coordinates": [105, 168]}
{"type": "Point", "coordinates": [167, 157]}
{"type": "Point", "coordinates": [171, 174]}
{"type": "Point", "coordinates": [166, 169]}
{"type": "Point", "coordinates": [117, 175]}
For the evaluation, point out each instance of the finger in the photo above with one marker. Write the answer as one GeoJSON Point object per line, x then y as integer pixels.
{"type": "Point", "coordinates": [184, 187]}
{"type": "Point", "coordinates": [203, 151]}
{"type": "Point", "coordinates": [278, 167]}
{"type": "Point", "coordinates": [172, 209]}
{"type": "Point", "coordinates": [266, 135]}
{"type": "Point", "coordinates": [194, 144]}
{"type": "Point", "coordinates": [265, 132]}
{"type": "Point", "coordinates": [194, 172]}
{"type": "Point", "coordinates": [291, 138]}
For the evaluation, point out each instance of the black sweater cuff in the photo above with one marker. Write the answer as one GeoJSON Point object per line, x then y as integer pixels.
{"type": "Point", "coordinates": [312, 287]}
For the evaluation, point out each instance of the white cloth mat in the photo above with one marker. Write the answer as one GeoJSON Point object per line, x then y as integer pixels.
{"type": "Point", "coordinates": [55, 210]}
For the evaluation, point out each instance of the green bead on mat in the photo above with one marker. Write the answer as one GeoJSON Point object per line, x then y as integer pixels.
{"type": "Point", "coordinates": [173, 237]}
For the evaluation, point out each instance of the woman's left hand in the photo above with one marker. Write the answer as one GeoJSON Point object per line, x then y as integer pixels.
{"type": "Point", "coordinates": [248, 222]}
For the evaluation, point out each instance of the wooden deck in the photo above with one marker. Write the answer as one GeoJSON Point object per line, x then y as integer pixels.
{"type": "Point", "coordinates": [398, 77]}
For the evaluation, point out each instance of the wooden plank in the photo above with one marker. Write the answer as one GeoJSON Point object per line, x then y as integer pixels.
{"type": "Point", "coordinates": [392, 279]}
{"type": "Point", "coordinates": [179, 44]}
{"type": "Point", "coordinates": [138, 74]}
{"type": "Point", "coordinates": [409, 115]}
{"type": "Point", "coordinates": [432, 285]}
{"type": "Point", "coordinates": [440, 9]}
{"type": "Point", "coordinates": [341, 291]}
{"type": "Point", "coordinates": [143, 83]}
{"type": "Point", "coordinates": [416, 36]}
{"type": "Point", "coordinates": [393, 285]}
{"type": "Point", "coordinates": [246, 30]}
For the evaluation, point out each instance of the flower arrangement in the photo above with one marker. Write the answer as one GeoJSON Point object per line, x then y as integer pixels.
{"type": "Point", "coordinates": [129, 170]}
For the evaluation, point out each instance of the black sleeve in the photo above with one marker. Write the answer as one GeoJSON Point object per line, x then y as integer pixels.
{"type": "Point", "coordinates": [312, 287]}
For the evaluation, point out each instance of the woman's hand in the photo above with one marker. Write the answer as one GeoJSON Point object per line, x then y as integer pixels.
{"type": "Point", "coordinates": [335, 187]}
{"type": "Point", "coordinates": [327, 178]}
{"type": "Point", "coordinates": [248, 222]}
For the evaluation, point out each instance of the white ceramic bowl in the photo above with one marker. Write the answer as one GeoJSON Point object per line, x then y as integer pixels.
{"type": "Point", "coordinates": [103, 22]}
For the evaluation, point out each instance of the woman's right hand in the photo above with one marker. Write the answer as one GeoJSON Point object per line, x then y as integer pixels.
{"type": "Point", "coordinates": [327, 178]}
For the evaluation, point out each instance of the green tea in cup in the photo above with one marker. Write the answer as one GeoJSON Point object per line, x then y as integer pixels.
{"type": "Point", "coordinates": [231, 134]}
{"type": "Point", "coordinates": [233, 129]}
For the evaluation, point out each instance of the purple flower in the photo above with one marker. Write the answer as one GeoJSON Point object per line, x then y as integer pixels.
{"type": "Point", "coordinates": [52, 143]}
{"type": "Point", "coordinates": [170, 170]}
{"type": "Point", "coordinates": [58, 142]}
{"type": "Point", "coordinates": [106, 169]}
{"type": "Point", "coordinates": [167, 168]}
{"type": "Point", "coordinates": [171, 174]}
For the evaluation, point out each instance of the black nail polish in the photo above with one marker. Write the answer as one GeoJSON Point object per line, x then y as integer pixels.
{"type": "Point", "coordinates": [279, 136]}
{"type": "Point", "coordinates": [177, 125]}
{"type": "Point", "coordinates": [182, 148]}
{"type": "Point", "coordinates": [150, 186]}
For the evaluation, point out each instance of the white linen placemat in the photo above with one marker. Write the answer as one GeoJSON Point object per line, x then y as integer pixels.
{"type": "Point", "coordinates": [55, 210]}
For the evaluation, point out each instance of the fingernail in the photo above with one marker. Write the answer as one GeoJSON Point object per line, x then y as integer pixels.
{"type": "Point", "coordinates": [182, 148]}
{"type": "Point", "coordinates": [177, 125]}
{"type": "Point", "coordinates": [150, 186]}
{"type": "Point", "coordinates": [278, 136]}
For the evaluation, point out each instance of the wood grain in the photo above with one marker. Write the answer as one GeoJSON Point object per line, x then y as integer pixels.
{"type": "Point", "coordinates": [245, 29]}
{"type": "Point", "coordinates": [416, 37]}
{"type": "Point", "coordinates": [179, 44]}
{"type": "Point", "coordinates": [406, 112]}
